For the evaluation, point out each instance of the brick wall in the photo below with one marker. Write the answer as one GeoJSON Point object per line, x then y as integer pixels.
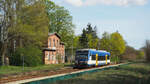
{"type": "Point", "coordinates": [55, 52]}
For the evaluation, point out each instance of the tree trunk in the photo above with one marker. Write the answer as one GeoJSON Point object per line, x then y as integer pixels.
{"type": "Point", "coordinates": [4, 49]}
{"type": "Point", "coordinates": [6, 60]}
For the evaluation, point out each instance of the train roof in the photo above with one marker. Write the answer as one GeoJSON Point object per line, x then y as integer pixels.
{"type": "Point", "coordinates": [94, 51]}
{"type": "Point", "coordinates": [86, 49]}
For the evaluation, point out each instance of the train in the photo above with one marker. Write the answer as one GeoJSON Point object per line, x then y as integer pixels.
{"type": "Point", "coordinates": [91, 57]}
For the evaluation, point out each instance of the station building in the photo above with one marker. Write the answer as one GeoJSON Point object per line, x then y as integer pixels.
{"type": "Point", "coordinates": [54, 52]}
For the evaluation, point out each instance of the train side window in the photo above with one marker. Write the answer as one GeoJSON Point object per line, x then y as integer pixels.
{"type": "Point", "coordinates": [107, 57]}
{"type": "Point", "coordinates": [99, 58]}
{"type": "Point", "coordinates": [102, 58]}
{"type": "Point", "coordinates": [93, 57]}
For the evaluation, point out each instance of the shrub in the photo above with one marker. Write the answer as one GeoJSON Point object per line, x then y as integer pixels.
{"type": "Point", "coordinates": [32, 56]}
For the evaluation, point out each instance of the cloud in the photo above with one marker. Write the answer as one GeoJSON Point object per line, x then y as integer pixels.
{"type": "Point", "coordinates": [106, 2]}
{"type": "Point", "coordinates": [75, 2]}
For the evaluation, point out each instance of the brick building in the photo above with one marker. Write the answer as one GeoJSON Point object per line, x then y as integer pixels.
{"type": "Point", "coordinates": [55, 51]}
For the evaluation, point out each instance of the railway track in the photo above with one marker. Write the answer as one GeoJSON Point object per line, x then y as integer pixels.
{"type": "Point", "coordinates": [38, 74]}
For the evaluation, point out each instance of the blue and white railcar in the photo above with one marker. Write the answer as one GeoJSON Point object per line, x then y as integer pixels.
{"type": "Point", "coordinates": [91, 57]}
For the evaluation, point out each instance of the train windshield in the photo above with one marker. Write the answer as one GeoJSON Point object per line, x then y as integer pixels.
{"type": "Point", "coordinates": [82, 55]}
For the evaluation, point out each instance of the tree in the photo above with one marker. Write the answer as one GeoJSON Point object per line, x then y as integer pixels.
{"type": "Point", "coordinates": [89, 38]}
{"type": "Point", "coordinates": [7, 18]}
{"type": "Point", "coordinates": [24, 22]}
{"type": "Point", "coordinates": [147, 50]}
{"type": "Point", "coordinates": [83, 40]}
{"type": "Point", "coordinates": [60, 22]}
{"type": "Point", "coordinates": [117, 46]}
{"type": "Point", "coordinates": [113, 43]}
{"type": "Point", "coordinates": [105, 43]}
{"type": "Point", "coordinates": [32, 24]}
{"type": "Point", "coordinates": [31, 55]}
{"type": "Point", "coordinates": [92, 42]}
{"type": "Point", "coordinates": [76, 42]}
{"type": "Point", "coordinates": [89, 29]}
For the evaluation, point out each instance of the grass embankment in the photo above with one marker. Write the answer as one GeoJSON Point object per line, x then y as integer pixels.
{"type": "Point", "coordinates": [6, 70]}
{"type": "Point", "coordinates": [138, 73]}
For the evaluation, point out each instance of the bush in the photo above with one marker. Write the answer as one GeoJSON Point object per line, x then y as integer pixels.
{"type": "Point", "coordinates": [32, 56]}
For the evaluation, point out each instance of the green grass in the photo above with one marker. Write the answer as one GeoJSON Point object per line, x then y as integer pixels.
{"type": "Point", "coordinates": [6, 70]}
{"type": "Point", "coordinates": [138, 73]}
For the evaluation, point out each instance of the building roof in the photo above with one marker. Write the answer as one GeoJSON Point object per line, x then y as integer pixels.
{"type": "Point", "coordinates": [54, 34]}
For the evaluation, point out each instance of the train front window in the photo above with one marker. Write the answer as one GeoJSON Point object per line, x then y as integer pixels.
{"type": "Point", "coordinates": [82, 55]}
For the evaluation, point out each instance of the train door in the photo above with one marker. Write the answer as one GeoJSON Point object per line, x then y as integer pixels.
{"type": "Point", "coordinates": [96, 59]}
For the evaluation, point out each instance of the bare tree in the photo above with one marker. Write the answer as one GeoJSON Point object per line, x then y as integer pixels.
{"type": "Point", "coordinates": [7, 15]}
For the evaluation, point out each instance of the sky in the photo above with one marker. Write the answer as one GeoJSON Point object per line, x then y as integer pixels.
{"type": "Point", "coordinates": [130, 17]}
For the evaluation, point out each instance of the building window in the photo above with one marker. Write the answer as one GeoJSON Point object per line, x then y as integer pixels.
{"type": "Point", "coordinates": [49, 42]}
{"type": "Point", "coordinates": [54, 42]}
{"type": "Point", "coordinates": [48, 55]}
{"type": "Point", "coordinates": [53, 57]}
{"type": "Point", "coordinates": [57, 43]}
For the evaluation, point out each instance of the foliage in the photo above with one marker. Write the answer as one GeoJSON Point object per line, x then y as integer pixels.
{"type": "Point", "coordinates": [30, 55]}
{"type": "Point", "coordinates": [60, 22]}
{"type": "Point", "coordinates": [105, 43]}
{"type": "Point", "coordinates": [92, 42]}
{"type": "Point", "coordinates": [83, 40]}
{"type": "Point", "coordinates": [32, 24]}
{"type": "Point", "coordinates": [23, 23]}
{"type": "Point", "coordinates": [76, 42]}
{"type": "Point", "coordinates": [7, 20]}
{"type": "Point", "coordinates": [89, 38]}
{"type": "Point", "coordinates": [113, 43]}
{"type": "Point", "coordinates": [117, 45]}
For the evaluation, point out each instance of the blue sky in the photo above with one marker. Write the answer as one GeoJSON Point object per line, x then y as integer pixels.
{"type": "Point", "coordinates": [130, 17]}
